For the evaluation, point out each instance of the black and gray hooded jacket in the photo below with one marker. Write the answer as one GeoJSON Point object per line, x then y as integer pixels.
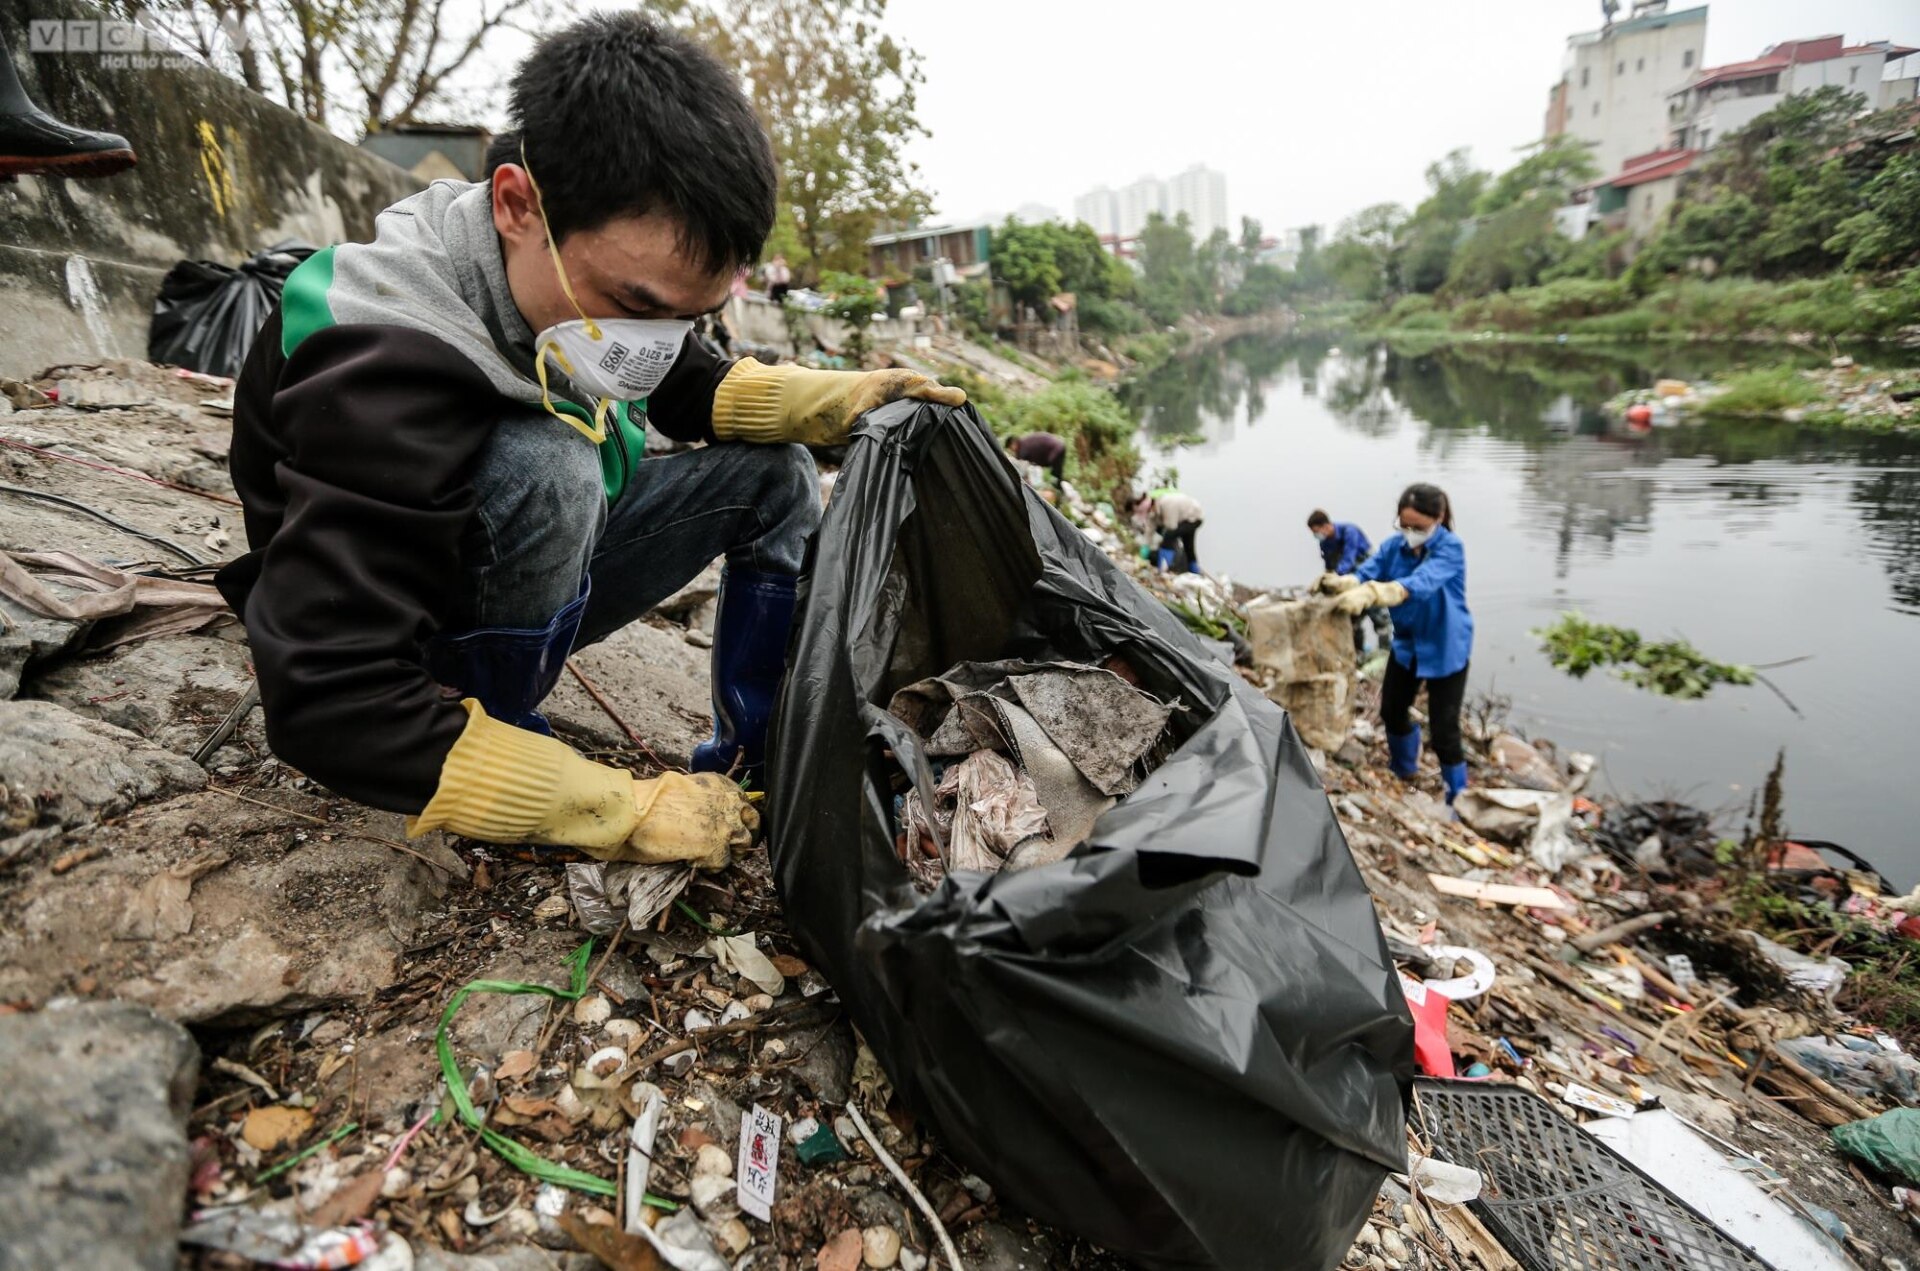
{"type": "Point", "coordinates": [358, 420]}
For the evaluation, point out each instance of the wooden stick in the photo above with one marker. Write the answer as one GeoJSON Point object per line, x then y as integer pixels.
{"type": "Point", "coordinates": [1840, 1098]}
{"type": "Point", "coordinates": [339, 832]}
{"type": "Point", "coordinates": [1619, 931]}
{"type": "Point", "coordinates": [600, 699]}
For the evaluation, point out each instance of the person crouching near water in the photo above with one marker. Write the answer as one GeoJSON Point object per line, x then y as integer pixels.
{"type": "Point", "coordinates": [1421, 574]}
{"type": "Point", "coordinates": [1177, 518]}
{"type": "Point", "coordinates": [1344, 547]}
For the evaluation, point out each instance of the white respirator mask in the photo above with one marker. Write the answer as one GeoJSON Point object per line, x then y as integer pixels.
{"type": "Point", "coordinates": [611, 359]}
{"type": "Point", "coordinates": [1416, 538]}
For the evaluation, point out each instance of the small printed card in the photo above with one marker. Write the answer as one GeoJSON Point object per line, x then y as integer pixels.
{"type": "Point", "coordinates": [759, 1161]}
{"type": "Point", "coordinates": [1593, 1101]}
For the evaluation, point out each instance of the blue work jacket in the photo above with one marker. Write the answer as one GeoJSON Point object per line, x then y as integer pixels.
{"type": "Point", "coordinates": [1345, 549]}
{"type": "Point", "coordinates": [1432, 631]}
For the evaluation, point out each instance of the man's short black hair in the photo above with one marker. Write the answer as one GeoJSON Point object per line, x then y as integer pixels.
{"type": "Point", "coordinates": [622, 116]}
{"type": "Point", "coordinates": [504, 148]}
{"type": "Point", "coordinates": [1318, 519]}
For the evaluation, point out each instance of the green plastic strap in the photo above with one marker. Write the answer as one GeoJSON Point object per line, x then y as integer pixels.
{"type": "Point", "coordinates": [305, 1152]}
{"type": "Point", "coordinates": [513, 1153]}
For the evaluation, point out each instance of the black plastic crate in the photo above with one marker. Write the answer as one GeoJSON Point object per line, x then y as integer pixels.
{"type": "Point", "coordinates": [1559, 1199]}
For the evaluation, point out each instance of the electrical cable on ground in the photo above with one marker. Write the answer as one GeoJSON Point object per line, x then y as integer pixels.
{"type": "Point", "coordinates": [900, 1176]}
{"type": "Point", "coordinates": [77, 506]}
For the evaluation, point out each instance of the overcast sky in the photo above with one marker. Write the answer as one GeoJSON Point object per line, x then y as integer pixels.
{"type": "Point", "coordinates": [1312, 111]}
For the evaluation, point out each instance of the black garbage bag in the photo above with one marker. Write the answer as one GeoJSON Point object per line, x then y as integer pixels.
{"type": "Point", "coordinates": [1185, 1041]}
{"type": "Point", "coordinates": [207, 313]}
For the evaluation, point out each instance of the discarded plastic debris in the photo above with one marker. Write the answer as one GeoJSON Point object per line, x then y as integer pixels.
{"type": "Point", "coordinates": [640, 1139]}
{"type": "Point", "coordinates": [1821, 977]}
{"type": "Point", "coordinates": [1859, 1066]}
{"type": "Point", "coordinates": [516, 1154]}
{"type": "Point", "coordinates": [1443, 1181]}
{"type": "Point", "coordinates": [1889, 1142]}
{"type": "Point", "coordinates": [740, 955]}
{"type": "Point", "coordinates": [280, 1239]}
{"type": "Point", "coordinates": [1461, 987]}
{"type": "Point", "coordinates": [820, 1147]}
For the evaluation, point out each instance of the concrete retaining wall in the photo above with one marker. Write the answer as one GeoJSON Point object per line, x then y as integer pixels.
{"type": "Point", "coordinates": [759, 320]}
{"type": "Point", "coordinates": [222, 173]}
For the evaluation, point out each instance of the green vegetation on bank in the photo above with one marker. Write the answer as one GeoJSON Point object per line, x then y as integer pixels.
{"type": "Point", "coordinates": [1177, 277]}
{"type": "Point", "coordinates": [1805, 222]}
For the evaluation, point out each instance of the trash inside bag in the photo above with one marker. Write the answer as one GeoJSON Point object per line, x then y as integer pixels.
{"type": "Point", "coordinates": [1183, 1039]}
{"type": "Point", "coordinates": [207, 313]}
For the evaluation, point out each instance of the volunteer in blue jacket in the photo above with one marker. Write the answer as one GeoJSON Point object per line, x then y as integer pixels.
{"type": "Point", "coordinates": [1345, 547]}
{"type": "Point", "coordinates": [1420, 573]}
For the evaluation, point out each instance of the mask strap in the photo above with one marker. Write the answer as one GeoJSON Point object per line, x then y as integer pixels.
{"type": "Point", "coordinates": [553, 249]}
{"type": "Point", "coordinates": [596, 434]}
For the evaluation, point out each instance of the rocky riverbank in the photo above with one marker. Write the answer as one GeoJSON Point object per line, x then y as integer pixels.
{"type": "Point", "coordinates": [258, 977]}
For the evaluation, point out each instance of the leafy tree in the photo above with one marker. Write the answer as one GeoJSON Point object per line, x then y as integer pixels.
{"type": "Point", "coordinates": [1551, 168]}
{"type": "Point", "coordinates": [1169, 271]}
{"type": "Point", "coordinates": [1250, 236]}
{"type": "Point", "coordinates": [1511, 248]}
{"type": "Point", "coordinates": [1262, 288]}
{"type": "Point", "coordinates": [1438, 224]}
{"type": "Point", "coordinates": [839, 97]}
{"type": "Point", "coordinates": [1887, 231]}
{"type": "Point", "coordinates": [1360, 258]}
{"type": "Point", "coordinates": [854, 300]}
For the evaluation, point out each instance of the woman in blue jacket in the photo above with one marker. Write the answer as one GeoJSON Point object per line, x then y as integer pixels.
{"type": "Point", "coordinates": [1421, 574]}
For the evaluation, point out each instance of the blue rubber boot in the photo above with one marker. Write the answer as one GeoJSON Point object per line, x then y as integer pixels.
{"type": "Point", "coordinates": [1403, 753]}
{"type": "Point", "coordinates": [1193, 567]}
{"type": "Point", "coordinates": [1163, 559]}
{"type": "Point", "coordinates": [749, 661]}
{"type": "Point", "coordinates": [1455, 777]}
{"type": "Point", "coordinates": [509, 669]}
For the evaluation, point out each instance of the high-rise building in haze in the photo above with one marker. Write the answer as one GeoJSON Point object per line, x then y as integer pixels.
{"type": "Point", "coordinates": [1100, 208]}
{"type": "Point", "coordinates": [1200, 192]}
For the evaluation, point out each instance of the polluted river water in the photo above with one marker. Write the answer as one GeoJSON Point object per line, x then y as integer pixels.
{"type": "Point", "coordinates": [1757, 540]}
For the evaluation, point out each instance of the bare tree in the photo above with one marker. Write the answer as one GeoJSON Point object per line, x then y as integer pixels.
{"type": "Point", "coordinates": [355, 66]}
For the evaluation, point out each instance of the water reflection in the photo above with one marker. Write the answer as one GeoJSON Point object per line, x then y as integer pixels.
{"type": "Point", "coordinates": [1544, 397]}
{"type": "Point", "coordinates": [1759, 541]}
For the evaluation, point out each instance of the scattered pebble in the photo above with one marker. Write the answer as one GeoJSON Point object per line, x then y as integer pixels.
{"type": "Point", "coordinates": [735, 1236]}
{"type": "Point", "coordinates": [552, 909]}
{"type": "Point", "coordinates": [759, 1002]}
{"type": "Point", "coordinates": [842, 1253]}
{"type": "Point", "coordinates": [880, 1246]}
{"type": "Point", "coordinates": [592, 1011]}
{"type": "Point", "coordinates": [713, 1159]}
{"type": "Point", "coordinates": [1393, 1244]}
{"type": "Point", "coordinates": [912, 1260]}
{"type": "Point", "coordinates": [712, 1194]}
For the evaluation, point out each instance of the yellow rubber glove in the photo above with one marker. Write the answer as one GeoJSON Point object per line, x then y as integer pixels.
{"type": "Point", "coordinates": [502, 784]}
{"type": "Point", "coordinates": [1333, 584]}
{"type": "Point", "coordinates": [1367, 595]}
{"type": "Point", "coordinates": [795, 403]}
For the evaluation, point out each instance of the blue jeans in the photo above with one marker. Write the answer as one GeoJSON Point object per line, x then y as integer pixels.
{"type": "Point", "coordinates": [543, 525]}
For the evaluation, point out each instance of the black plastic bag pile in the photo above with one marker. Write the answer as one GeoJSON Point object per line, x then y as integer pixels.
{"type": "Point", "coordinates": [1184, 1041]}
{"type": "Point", "coordinates": [207, 313]}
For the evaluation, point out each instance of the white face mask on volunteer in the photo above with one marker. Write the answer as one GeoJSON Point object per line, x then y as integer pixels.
{"type": "Point", "coordinates": [1416, 538]}
{"type": "Point", "coordinates": [611, 359]}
